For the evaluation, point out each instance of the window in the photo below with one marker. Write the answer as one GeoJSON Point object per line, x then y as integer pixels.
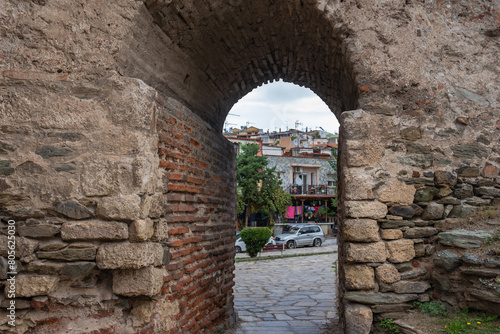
{"type": "Point", "coordinates": [332, 180]}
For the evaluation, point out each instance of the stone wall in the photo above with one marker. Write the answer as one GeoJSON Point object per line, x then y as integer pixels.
{"type": "Point", "coordinates": [124, 228]}
{"type": "Point", "coordinates": [421, 232]}
{"type": "Point", "coordinates": [122, 187]}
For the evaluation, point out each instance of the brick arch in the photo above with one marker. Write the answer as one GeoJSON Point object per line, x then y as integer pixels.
{"type": "Point", "coordinates": [238, 47]}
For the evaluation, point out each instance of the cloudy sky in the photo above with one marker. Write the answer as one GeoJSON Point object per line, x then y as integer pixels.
{"type": "Point", "coordinates": [280, 104]}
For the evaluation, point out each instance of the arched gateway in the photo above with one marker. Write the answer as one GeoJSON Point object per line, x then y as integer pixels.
{"type": "Point", "coordinates": [122, 188]}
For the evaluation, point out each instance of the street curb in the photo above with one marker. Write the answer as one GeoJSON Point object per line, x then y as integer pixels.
{"type": "Point", "coordinates": [272, 257]}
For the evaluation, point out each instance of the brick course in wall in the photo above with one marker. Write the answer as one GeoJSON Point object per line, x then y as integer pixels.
{"type": "Point", "coordinates": [200, 215]}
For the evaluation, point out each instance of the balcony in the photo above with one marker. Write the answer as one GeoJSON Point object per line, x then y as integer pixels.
{"type": "Point", "coordinates": [313, 190]}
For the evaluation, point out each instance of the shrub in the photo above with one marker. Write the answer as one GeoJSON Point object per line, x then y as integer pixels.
{"type": "Point", "coordinates": [255, 239]}
{"type": "Point", "coordinates": [432, 308]}
{"type": "Point", "coordinates": [390, 326]}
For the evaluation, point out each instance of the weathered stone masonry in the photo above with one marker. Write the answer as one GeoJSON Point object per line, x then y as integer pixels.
{"type": "Point", "coordinates": [122, 188]}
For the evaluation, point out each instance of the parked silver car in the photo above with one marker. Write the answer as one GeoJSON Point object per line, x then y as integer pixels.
{"type": "Point", "coordinates": [301, 235]}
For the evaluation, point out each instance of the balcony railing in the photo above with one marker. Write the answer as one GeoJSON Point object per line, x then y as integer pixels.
{"type": "Point", "coordinates": [322, 189]}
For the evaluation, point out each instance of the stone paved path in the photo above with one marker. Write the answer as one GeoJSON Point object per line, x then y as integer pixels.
{"type": "Point", "coordinates": [294, 295]}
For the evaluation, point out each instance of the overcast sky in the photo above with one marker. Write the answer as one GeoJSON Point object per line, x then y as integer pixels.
{"type": "Point", "coordinates": [281, 104]}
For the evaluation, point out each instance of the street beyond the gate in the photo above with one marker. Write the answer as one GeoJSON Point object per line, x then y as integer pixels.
{"type": "Point", "coordinates": [287, 295]}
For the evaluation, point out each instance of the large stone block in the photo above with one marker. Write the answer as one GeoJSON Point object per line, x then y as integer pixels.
{"type": "Point", "coordinates": [423, 161]}
{"type": "Point", "coordinates": [366, 297]}
{"type": "Point", "coordinates": [463, 190]}
{"type": "Point", "coordinates": [444, 191]}
{"type": "Point", "coordinates": [463, 211]}
{"type": "Point", "coordinates": [443, 177]}
{"type": "Point", "coordinates": [37, 229]}
{"type": "Point", "coordinates": [138, 282]}
{"type": "Point", "coordinates": [100, 177]}
{"type": "Point", "coordinates": [447, 260]}
{"type": "Point", "coordinates": [359, 277]}
{"type": "Point", "coordinates": [47, 152]}
{"type": "Point", "coordinates": [387, 274]}
{"type": "Point", "coordinates": [412, 133]}
{"type": "Point", "coordinates": [94, 230]}
{"type": "Point", "coordinates": [357, 186]}
{"type": "Point", "coordinates": [463, 238]}
{"type": "Point", "coordinates": [420, 232]}
{"type": "Point", "coordinates": [361, 230]}
{"type": "Point", "coordinates": [391, 234]}
{"type": "Point", "coordinates": [355, 124]}
{"type": "Point", "coordinates": [468, 171]}
{"type": "Point", "coordinates": [126, 208]}
{"type": "Point", "coordinates": [469, 151]}
{"type": "Point", "coordinates": [411, 287]}
{"type": "Point", "coordinates": [73, 209]}
{"type": "Point", "coordinates": [433, 211]}
{"type": "Point", "coordinates": [426, 194]}
{"type": "Point", "coordinates": [365, 209]}
{"type": "Point", "coordinates": [25, 247]}
{"type": "Point", "coordinates": [487, 191]}
{"type": "Point", "coordinates": [70, 254]}
{"type": "Point", "coordinates": [76, 269]}
{"type": "Point", "coordinates": [33, 285]}
{"type": "Point", "coordinates": [399, 251]}
{"type": "Point", "coordinates": [157, 208]}
{"type": "Point", "coordinates": [161, 230]}
{"type": "Point", "coordinates": [362, 153]}
{"type": "Point", "coordinates": [394, 224]}
{"type": "Point", "coordinates": [358, 319]}
{"type": "Point", "coordinates": [397, 192]}
{"type": "Point", "coordinates": [420, 249]}
{"type": "Point", "coordinates": [129, 255]}
{"type": "Point", "coordinates": [406, 211]}
{"type": "Point", "coordinates": [477, 201]}
{"type": "Point", "coordinates": [141, 230]}
{"type": "Point", "coordinates": [371, 252]}
{"type": "Point", "coordinates": [489, 170]}
{"type": "Point", "coordinates": [142, 311]}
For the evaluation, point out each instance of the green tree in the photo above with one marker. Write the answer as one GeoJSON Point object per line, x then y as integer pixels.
{"type": "Point", "coordinates": [260, 187]}
{"type": "Point", "coordinates": [274, 200]}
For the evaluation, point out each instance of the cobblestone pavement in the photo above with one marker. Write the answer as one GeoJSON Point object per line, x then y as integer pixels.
{"type": "Point", "coordinates": [295, 295]}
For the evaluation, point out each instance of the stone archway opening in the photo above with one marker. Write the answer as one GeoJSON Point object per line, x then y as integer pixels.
{"type": "Point", "coordinates": [232, 49]}
{"type": "Point", "coordinates": [298, 292]}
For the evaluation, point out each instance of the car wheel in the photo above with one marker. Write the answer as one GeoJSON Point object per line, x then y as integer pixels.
{"type": "Point", "coordinates": [317, 243]}
{"type": "Point", "coordinates": [291, 244]}
{"type": "Point", "coordinates": [238, 249]}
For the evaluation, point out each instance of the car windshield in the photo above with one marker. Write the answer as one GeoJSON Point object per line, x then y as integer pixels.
{"type": "Point", "coordinates": [294, 230]}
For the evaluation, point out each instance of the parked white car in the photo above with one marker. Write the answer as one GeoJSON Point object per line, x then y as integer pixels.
{"type": "Point", "coordinates": [241, 247]}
